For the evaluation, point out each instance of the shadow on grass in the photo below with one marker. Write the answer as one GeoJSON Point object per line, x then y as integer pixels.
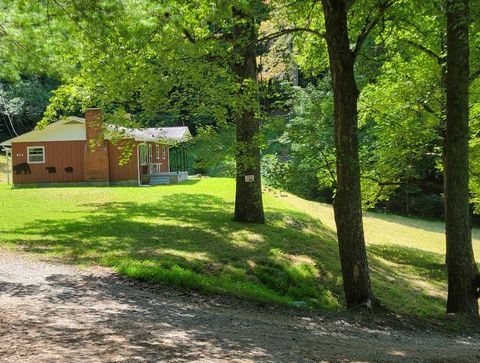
{"type": "Point", "coordinates": [190, 240]}
{"type": "Point", "coordinates": [410, 280]}
{"type": "Point", "coordinates": [427, 264]}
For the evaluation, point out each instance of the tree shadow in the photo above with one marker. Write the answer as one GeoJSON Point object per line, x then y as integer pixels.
{"type": "Point", "coordinates": [189, 240]}
{"type": "Point", "coordinates": [78, 316]}
{"type": "Point", "coordinates": [411, 280]}
{"type": "Point", "coordinates": [430, 265]}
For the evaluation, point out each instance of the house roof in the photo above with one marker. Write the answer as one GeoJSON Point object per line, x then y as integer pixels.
{"type": "Point", "coordinates": [73, 129]}
{"type": "Point", "coordinates": [171, 134]}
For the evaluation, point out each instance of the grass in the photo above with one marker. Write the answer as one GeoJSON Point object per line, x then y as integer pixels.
{"type": "Point", "coordinates": [183, 235]}
{"type": "Point", "coordinates": [406, 255]}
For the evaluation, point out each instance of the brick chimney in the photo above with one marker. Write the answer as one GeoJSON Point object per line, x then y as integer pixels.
{"type": "Point", "coordinates": [96, 151]}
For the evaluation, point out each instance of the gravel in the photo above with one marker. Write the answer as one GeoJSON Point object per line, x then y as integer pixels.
{"type": "Point", "coordinates": [50, 312]}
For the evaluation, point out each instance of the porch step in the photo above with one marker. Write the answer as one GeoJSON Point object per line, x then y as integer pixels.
{"type": "Point", "coordinates": [159, 180]}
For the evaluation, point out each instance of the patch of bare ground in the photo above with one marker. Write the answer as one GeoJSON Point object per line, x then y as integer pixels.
{"type": "Point", "coordinates": [52, 312]}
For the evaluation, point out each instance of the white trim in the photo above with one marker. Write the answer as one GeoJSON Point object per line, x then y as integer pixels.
{"type": "Point", "coordinates": [35, 147]}
{"type": "Point", "coordinates": [168, 160]}
{"type": "Point", "coordinates": [164, 154]}
{"type": "Point", "coordinates": [140, 159]}
{"type": "Point", "coordinates": [157, 151]}
{"type": "Point", "coordinates": [138, 166]}
{"type": "Point", "coordinates": [150, 153]}
{"type": "Point", "coordinates": [73, 129]}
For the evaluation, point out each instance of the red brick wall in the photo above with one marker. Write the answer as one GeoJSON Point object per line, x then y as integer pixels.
{"type": "Point", "coordinates": [96, 159]}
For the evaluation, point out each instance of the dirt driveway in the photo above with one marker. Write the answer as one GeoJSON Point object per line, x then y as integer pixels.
{"type": "Point", "coordinates": [56, 313]}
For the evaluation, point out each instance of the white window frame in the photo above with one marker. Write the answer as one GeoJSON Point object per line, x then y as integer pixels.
{"type": "Point", "coordinates": [143, 154]}
{"type": "Point", "coordinates": [157, 149]}
{"type": "Point", "coordinates": [35, 147]}
{"type": "Point", "coordinates": [164, 152]}
{"type": "Point", "coordinates": [150, 154]}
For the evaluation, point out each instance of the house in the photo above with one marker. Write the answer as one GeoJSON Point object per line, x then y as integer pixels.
{"type": "Point", "coordinates": [86, 151]}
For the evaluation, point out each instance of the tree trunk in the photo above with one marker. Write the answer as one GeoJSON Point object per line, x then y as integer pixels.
{"type": "Point", "coordinates": [462, 269]}
{"type": "Point", "coordinates": [248, 196]}
{"type": "Point", "coordinates": [347, 202]}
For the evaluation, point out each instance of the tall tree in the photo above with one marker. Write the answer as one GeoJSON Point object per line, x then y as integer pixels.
{"type": "Point", "coordinates": [175, 57]}
{"type": "Point", "coordinates": [248, 195]}
{"type": "Point", "coordinates": [347, 203]}
{"type": "Point", "coordinates": [462, 269]}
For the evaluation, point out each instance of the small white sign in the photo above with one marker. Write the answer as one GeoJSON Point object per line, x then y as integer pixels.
{"type": "Point", "coordinates": [249, 178]}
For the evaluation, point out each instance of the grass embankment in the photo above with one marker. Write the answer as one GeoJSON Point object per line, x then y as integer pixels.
{"type": "Point", "coordinates": [183, 235]}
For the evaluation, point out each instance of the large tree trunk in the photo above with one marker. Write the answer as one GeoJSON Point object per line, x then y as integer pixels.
{"type": "Point", "coordinates": [347, 203]}
{"type": "Point", "coordinates": [461, 265]}
{"type": "Point", "coordinates": [248, 196]}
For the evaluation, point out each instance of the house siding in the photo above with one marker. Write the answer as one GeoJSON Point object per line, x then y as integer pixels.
{"type": "Point", "coordinates": [58, 154]}
{"type": "Point", "coordinates": [164, 167]}
{"type": "Point", "coordinates": [71, 154]}
{"type": "Point", "coordinates": [118, 172]}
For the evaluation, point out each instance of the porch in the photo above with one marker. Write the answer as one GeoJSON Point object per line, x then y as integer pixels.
{"type": "Point", "coordinates": [173, 171]}
{"type": "Point", "coordinates": [165, 178]}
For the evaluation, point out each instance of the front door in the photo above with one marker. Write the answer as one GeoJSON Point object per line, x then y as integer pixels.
{"type": "Point", "coordinates": [143, 163]}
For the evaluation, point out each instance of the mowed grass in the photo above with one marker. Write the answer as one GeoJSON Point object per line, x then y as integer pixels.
{"type": "Point", "coordinates": [406, 255]}
{"type": "Point", "coordinates": [183, 235]}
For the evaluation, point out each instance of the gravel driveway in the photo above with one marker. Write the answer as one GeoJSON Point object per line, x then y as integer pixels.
{"type": "Point", "coordinates": [57, 313]}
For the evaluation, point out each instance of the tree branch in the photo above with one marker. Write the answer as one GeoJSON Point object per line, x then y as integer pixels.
{"type": "Point", "coordinates": [436, 186]}
{"type": "Point", "coordinates": [329, 167]}
{"type": "Point", "coordinates": [369, 26]}
{"type": "Point", "coordinates": [474, 76]}
{"type": "Point", "coordinates": [75, 21]}
{"type": "Point", "coordinates": [427, 51]}
{"type": "Point", "coordinates": [290, 31]}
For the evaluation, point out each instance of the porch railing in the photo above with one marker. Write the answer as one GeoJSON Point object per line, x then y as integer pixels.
{"type": "Point", "coordinates": [154, 168]}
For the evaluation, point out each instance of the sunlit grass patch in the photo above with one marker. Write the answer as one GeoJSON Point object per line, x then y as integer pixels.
{"type": "Point", "coordinates": [183, 235]}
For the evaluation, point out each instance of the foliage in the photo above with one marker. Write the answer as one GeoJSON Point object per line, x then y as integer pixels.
{"type": "Point", "coordinates": [213, 151]}
{"type": "Point", "coordinates": [22, 104]}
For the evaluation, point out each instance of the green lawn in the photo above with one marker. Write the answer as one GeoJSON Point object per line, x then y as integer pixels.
{"type": "Point", "coordinates": [183, 235]}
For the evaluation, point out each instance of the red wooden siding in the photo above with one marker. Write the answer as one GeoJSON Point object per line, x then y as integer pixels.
{"type": "Point", "coordinates": [165, 166]}
{"type": "Point", "coordinates": [128, 171]}
{"type": "Point", "coordinates": [70, 154]}
{"type": "Point", "coordinates": [58, 154]}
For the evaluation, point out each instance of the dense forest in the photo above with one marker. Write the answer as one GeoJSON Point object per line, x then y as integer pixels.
{"type": "Point", "coordinates": [369, 104]}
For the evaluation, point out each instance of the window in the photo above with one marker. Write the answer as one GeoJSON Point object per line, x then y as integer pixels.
{"type": "Point", "coordinates": [36, 154]}
{"type": "Point", "coordinates": [150, 153]}
{"type": "Point", "coordinates": [157, 149]}
{"type": "Point", "coordinates": [143, 154]}
{"type": "Point", "coordinates": [163, 151]}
